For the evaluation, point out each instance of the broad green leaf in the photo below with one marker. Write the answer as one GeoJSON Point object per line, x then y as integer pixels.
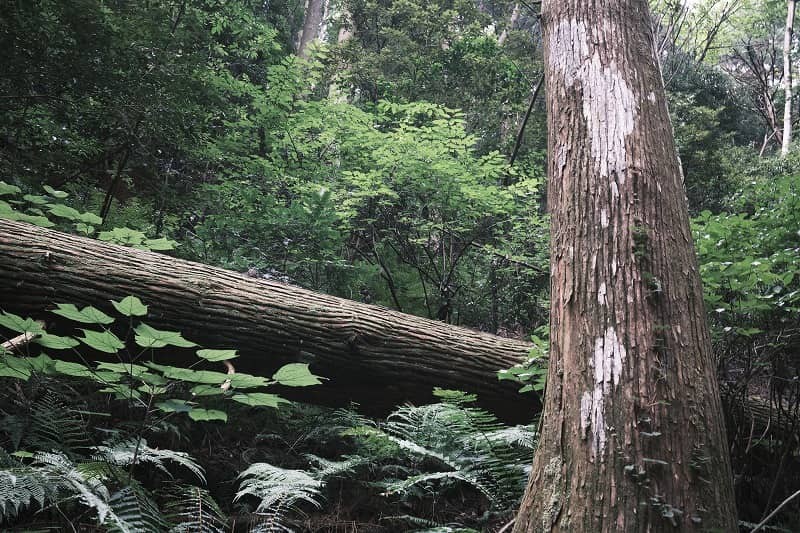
{"type": "Point", "coordinates": [40, 221]}
{"type": "Point", "coordinates": [160, 245]}
{"type": "Point", "coordinates": [65, 211]}
{"type": "Point", "coordinates": [19, 324]}
{"type": "Point", "coordinates": [130, 306]}
{"type": "Point", "coordinates": [207, 390]}
{"type": "Point", "coordinates": [204, 415]}
{"type": "Point", "coordinates": [84, 229]}
{"type": "Point", "coordinates": [217, 355]}
{"type": "Point", "coordinates": [35, 199]}
{"type": "Point", "coordinates": [15, 367]}
{"type": "Point", "coordinates": [87, 315]}
{"type": "Point", "coordinates": [6, 189]}
{"type": "Point", "coordinates": [23, 454]}
{"type": "Point", "coordinates": [123, 236]}
{"type": "Point", "coordinates": [122, 391]}
{"type": "Point", "coordinates": [187, 374]}
{"type": "Point", "coordinates": [259, 399]}
{"type": "Point", "coordinates": [69, 368]}
{"type": "Point", "coordinates": [54, 342]}
{"type": "Point", "coordinates": [296, 375]}
{"type": "Point", "coordinates": [123, 368]}
{"type": "Point", "coordinates": [150, 337]}
{"type": "Point", "coordinates": [174, 406]}
{"type": "Point", "coordinates": [246, 381]}
{"type": "Point", "coordinates": [103, 341]}
{"type": "Point", "coordinates": [55, 193]}
{"type": "Point", "coordinates": [90, 218]}
{"type": "Point", "coordinates": [42, 363]}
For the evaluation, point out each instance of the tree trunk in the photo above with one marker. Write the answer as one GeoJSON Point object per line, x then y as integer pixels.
{"type": "Point", "coordinates": [787, 79]}
{"type": "Point", "coordinates": [633, 437]}
{"type": "Point", "coordinates": [312, 26]}
{"type": "Point", "coordinates": [371, 355]}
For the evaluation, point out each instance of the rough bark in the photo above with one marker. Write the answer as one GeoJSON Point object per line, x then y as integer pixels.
{"type": "Point", "coordinates": [787, 79]}
{"type": "Point", "coordinates": [312, 26]}
{"type": "Point", "coordinates": [633, 436]}
{"type": "Point", "coordinates": [373, 356]}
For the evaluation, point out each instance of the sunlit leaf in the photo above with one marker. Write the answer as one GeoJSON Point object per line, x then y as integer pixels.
{"type": "Point", "coordinates": [130, 306]}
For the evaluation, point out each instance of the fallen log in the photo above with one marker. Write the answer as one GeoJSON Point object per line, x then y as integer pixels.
{"type": "Point", "coordinates": [372, 356]}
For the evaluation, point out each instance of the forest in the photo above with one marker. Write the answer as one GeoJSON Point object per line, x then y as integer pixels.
{"type": "Point", "coordinates": [394, 265]}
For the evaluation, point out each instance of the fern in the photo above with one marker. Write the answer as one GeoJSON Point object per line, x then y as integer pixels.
{"type": "Point", "coordinates": [468, 444]}
{"type": "Point", "coordinates": [133, 511]}
{"type": "Point", "coordinates": [279, 492]}
{"type": "Point", "coordinates": [133, 451]}
{"type": "Point", "coordinates": [191, 509]}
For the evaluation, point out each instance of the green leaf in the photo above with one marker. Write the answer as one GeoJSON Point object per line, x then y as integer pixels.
{"type": "Point", "coordinates": [54, 193]}
{"type": "Point", "coordinates": [103, 341]}
{"type": "Point", "coordinates": [5, 189]}
{"type": "Point", "coordinates": [246, 381]}
{"type": "Point", "coordinates": [19, 324]}
{"type": "Point", "coordinates": [187, 374]}
{"type": "Point", "coordinates": [150, 337]}
{"type": "Point", "coordinates": [259, 399]}
{"type": "Point", "coordinates": [217, 355]}
{"type": "Point", "coordinates": [84, 229]}
{"type": "Point", "coordinates": [296, 375]}
{"type": "Point", "coordinates": [10, 214]}
{"type": "Point", "coordinates": [90, 218]}
{"type": "Point", "coordinates": [130, 306]}
{"type": "Point", "coordinates": [23, 454]}
{"type": "Point", "coordinates": [15, 367]}
{"type": "Point", "coordinates": [123, 368]}
{"type": "Point", "coordinates": [65, 211]}
{"type": "Point", "coordinates": [73, 369]}
{"type": "Point", "coordinates": [159, 245]}
{"type": "Point", "coordinates": [207, 390]}
{"type": "Point", "coordinates": [122, 392]}
{"type": "Point", "coordinates": [87, 315]}
{"type": "Point", "coordinates": [174, 406]}
{"type": "Point", "coordinates": [204, 415]}
{"type": "Point", "coordinates": [123, 236]}
{"type": "Point", "coordinates": [54, 342]}
{"type": "Point", "coordinates": [35, 199]}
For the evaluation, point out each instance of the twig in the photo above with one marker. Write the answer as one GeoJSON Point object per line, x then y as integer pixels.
{"type": "Point", "coordinates": [505, 527]}
{"type": "Point", "coordinates": [773, 513]}
{"type": "Point", "coordinates": [20, 341]}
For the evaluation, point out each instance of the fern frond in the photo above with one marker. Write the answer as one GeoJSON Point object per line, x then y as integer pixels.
{"type": "Point", "coordinates": [128, 452]}
{"type": "Point", "coordinates": [133, 511]}
{"type": "Point", "coordinates": [325, 469]}
{"type": "Point", "coordinates": [193, 510]}
{"type": "Point", "coordinates": [279, 492]}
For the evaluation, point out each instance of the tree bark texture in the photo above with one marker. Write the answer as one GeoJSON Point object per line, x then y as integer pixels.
{"type": "Point", "coordinates": [373, 356]}
{"type": "Point", "coordinates": [312, 26]}
{"type": "Point", "coordinates": [787, 78]}
{"type": "Point", "coordinates": [633, 436]}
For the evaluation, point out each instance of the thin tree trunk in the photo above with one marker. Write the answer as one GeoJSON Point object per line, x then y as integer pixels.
{"type": "Point", "coordinates": [312, 26]}
{"type": "Point", "coordinates": [633, 438]}
{"type": "Point", "coordinates": [787, 79]}
{"type": "Point", "coordinates": [371, 355]}
{"type": "Point", "coordinates": [515, 13]}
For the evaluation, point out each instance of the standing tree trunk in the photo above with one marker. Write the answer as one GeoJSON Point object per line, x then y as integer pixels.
{"type": "Point", "coordinates": [312, 26]}
{"type": "Point", "coordinates": [633, 437]}
{"type": "Point", "coordinates": [787, 79]}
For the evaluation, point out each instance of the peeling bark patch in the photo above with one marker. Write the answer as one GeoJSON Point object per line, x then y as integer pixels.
{"type": "Point", "coordinates": [609, 106]}
{"type": "Point", "coordinates": [607, 359]}
{"type": "Point", "coordinates": [601, 294]}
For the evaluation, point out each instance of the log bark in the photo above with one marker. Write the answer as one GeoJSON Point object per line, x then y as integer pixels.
{"type": "Point", "coordinates": [372, 356]}
{"type": "Point", "coordinates": [633, 437]}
